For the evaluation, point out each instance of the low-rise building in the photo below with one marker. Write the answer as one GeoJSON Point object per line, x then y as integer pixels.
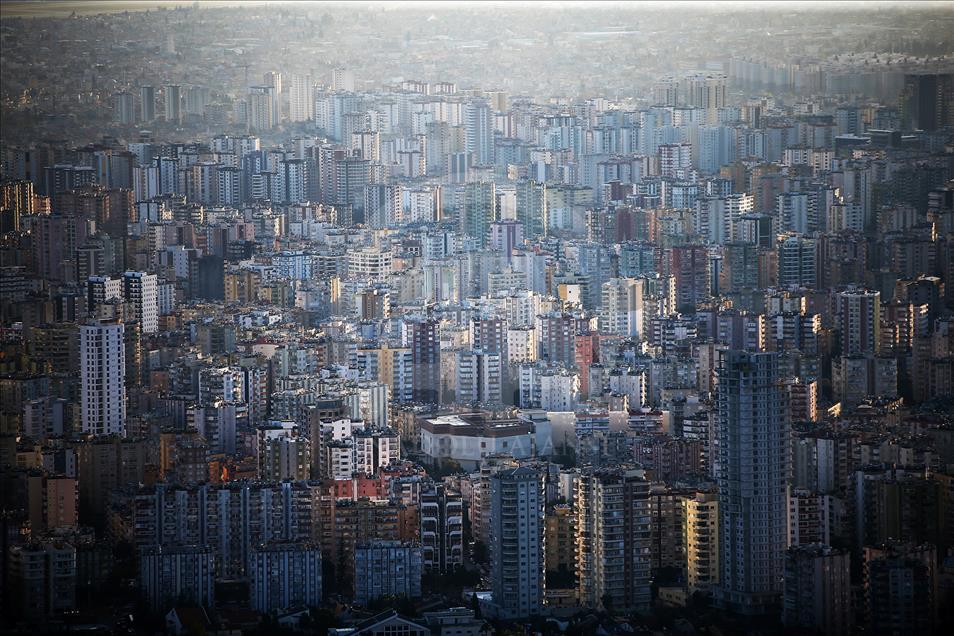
{"type": "Point", "coordinates": [467, 438]}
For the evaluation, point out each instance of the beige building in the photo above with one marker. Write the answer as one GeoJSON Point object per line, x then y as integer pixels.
{"type": "Point", "coordinates": [702, 541]}
{"type": "Point", "coordinates": [560, 539]}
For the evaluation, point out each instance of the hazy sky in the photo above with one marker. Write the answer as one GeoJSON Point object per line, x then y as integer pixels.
{"type": "Point", "coordinates": [14, 8]}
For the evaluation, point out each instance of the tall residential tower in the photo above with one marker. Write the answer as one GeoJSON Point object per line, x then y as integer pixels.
{"type": "Point", "coordinates": [753, 466]}
{"type": "Point", "coordinates": [516, 542]}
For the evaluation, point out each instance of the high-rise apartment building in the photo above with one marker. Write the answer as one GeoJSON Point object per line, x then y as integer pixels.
{"type": "Point", "coordinates": [42, 579]}
{"type": "Point", "coordinates": [817, 590]}
{"type": "Point", "coordinates": [147, 104]}
{"type": "Point", "coordinates": [233, 519]}
{"type": "Point", "coordinates": [101, 289]}
{"type": "Point", "coordinates": [927, 101]}
{"type": "Point", "coordinates": [301, 98]}
{"type": "Point", "coordinates": [705, 91]}
{"type": "Point", "coordinates": [16, 201]}
{"type": "Point", "coordinates": [901, 588]}
{"type": "Point", "coordinates": [478, 377]}
{"type": "Point", "coordinates": [561, 540]}
{"type": "Point", "coordinates": [717, 147]}
{"type": "Point", "coordinates": [124, 108]}
{"type": "Point", "coordinates": [103, 378]}
{"type": "Point", "coordinates": [532, 210]}
{"type": "Point", "coordinates": [752, 472]}
{"type": "Point", "coordinates": [858, 316]}
{"type": "Point", "coordinates": [442, 529]}
{"type": "Point", "coordinates": [386, 569]}
{"type": "Point", "coordinates": [796, 261]}
{"type": "Point", "coordinates": [273, 80]}
{"type": "Point", "coordinates": [556, 337]}
{"type": "Point", "coordinates": [794, 212]}
{"type": "Point", "coordinates": [283, 575]}
{"type": "Point", "coordinates": [621, 306]}
{"type": "Point", "coordinates": [505, 236]}
{"type": "Point", "coordinates": [285, 457]}
{"type": "Point", "coordinates": [342, 80]}
{"type": "Point", "coordinates": [675, 159]}
{"type": "Point", "coordinates": [517, 542]}
{"type": "Point", "coordinates": [261, 108]}
{"type": "Point", "coordinates": [481, 504]}
{"type": "Point", "coordinates": [479, 131]}
{"type": "Point", "coordinates": [421, 336]}
{"type": "Point", "coordinates": [173, 103]}
{"type": "Point", "coordinates": [175, 574]}
{"type": "Point", "coordinates": [141, 293]}
{"type": "Point", "coordinates": [701, 536]}
{"type": "Point", "coordinates": [689, 264]}
{"type": "Point", "coordinates": [476, 207]}
{"type": "Point", "coordinates": [614, 540]}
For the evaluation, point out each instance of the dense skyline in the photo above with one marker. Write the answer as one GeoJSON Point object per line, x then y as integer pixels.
{"type": "Point", "coordinates": [470, 318]}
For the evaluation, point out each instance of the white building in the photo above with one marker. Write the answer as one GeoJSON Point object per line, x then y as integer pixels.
{"type": "Point", "coordinates": [369, 403]}
{"type": "Point", "coordinates": [794, 213]}
{"type": "Point", "coordinates": [550, 389]}
{"type": "Point", "coordinates": [521, 345]}
{"type": "Point", "coordinates": [339, 430]}
{"type": "Point", "coordinates": [559, 390]}
{"type": "Point", "coordinates": [374, 449]}
{"type": "Point", "coordinates": [478, 378]}
{"type": "Point", "coordinates": [342, 80]}
{"type": "Point", "coordinates": [292, 265]}
{"type": "Point", "coordinates": [630, 383]}
{"type": "Point", "coordinates": [619, 311]}
{"type": "Point", "coordinates": [142, 296]}
{"type": "Point", "coordinates": [675, 159]}
{"type": "Point", "coordinates": [420, 204]}
{"type": "Point", "coordinates": [301, 98]}
{"type": "Point", "coordinates": [469, 437]}
{"type": "Point", "coordinates": [218, 423]}
{"type": "Point", "coordinates": [100, 289]}
{"type": "Point", "coordinates": [103, 378]}
{"type": "Point", "coordinates": [339, 459]}
{"type": "Point", "coordinates": [370, 263]}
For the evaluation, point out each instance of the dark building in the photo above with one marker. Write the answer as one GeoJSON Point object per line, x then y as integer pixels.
{"type": "Point", "coordinates": [927, 101]}
{"type": "Point", "coordinates": [210, 283]}
{"type": "Point", "coordinates": [901, 588]}
{"type": "Point", "coordinates": [423, 337]}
